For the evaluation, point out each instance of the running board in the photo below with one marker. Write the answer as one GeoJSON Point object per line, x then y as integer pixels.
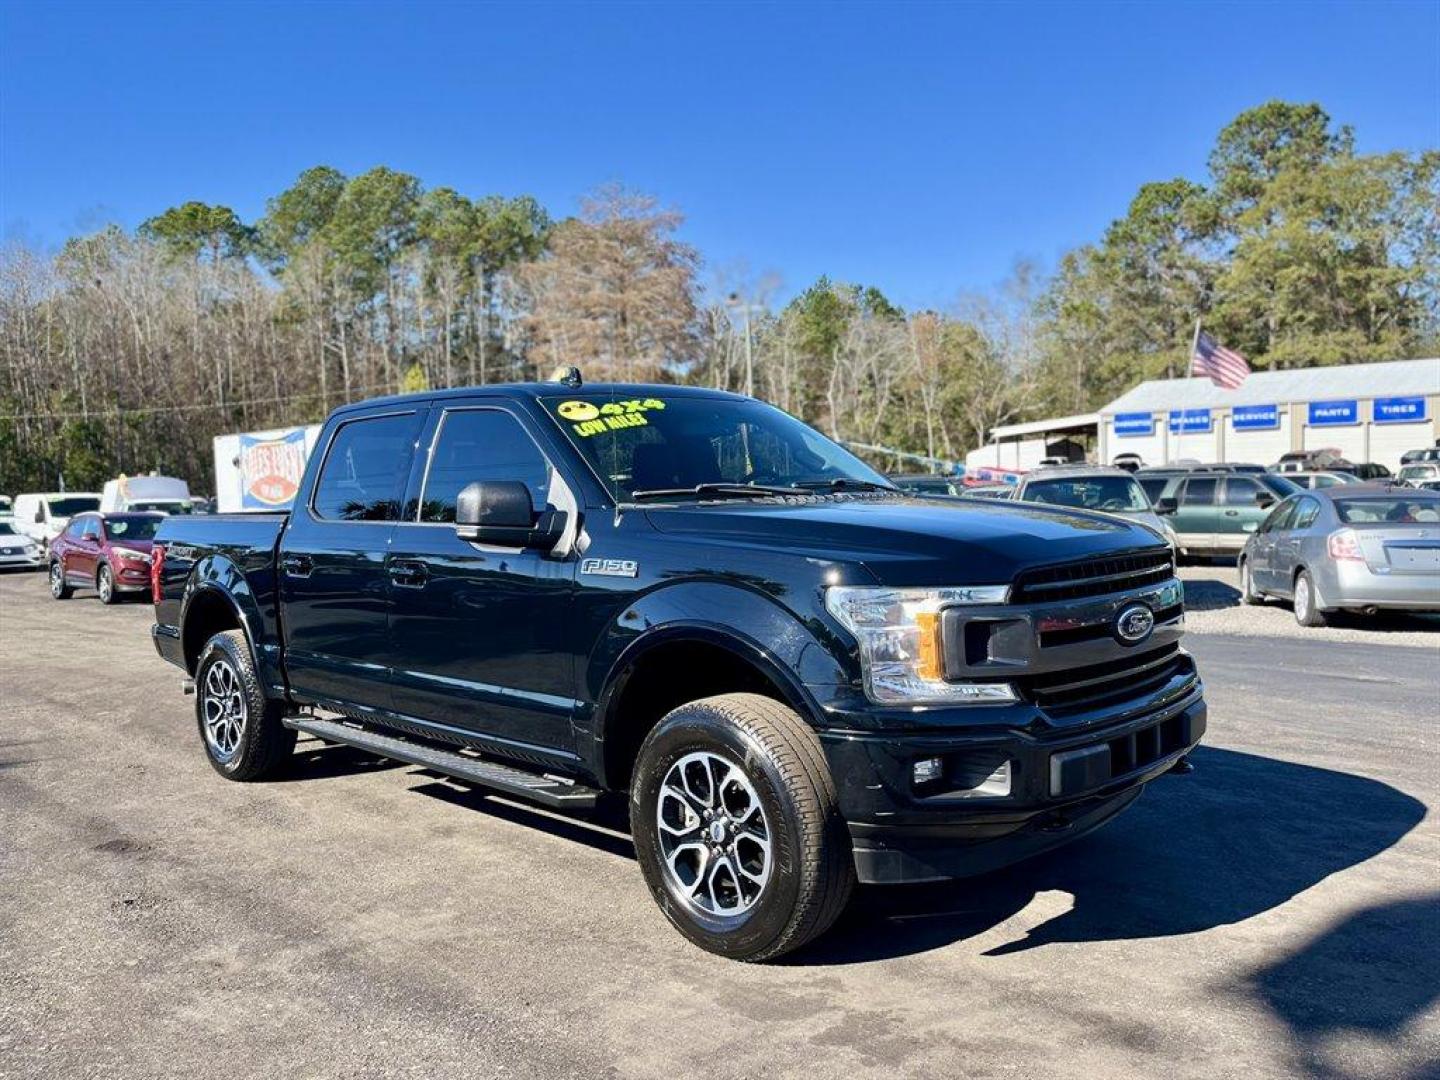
{"type": "Point", "coordinates": [547, 790]}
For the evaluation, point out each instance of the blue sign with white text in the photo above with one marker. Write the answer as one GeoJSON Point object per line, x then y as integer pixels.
{"type": "Point", "coordinates": [1189, 421]}
{"type": "Point", "coordinates": [1334, 413]}
{"type": "Point", "coordinates": [1134, 423]}
{"type": "Point", "coordinates": [1399, 410]}
{"type": "Point", "coordinates": [1255, 417]}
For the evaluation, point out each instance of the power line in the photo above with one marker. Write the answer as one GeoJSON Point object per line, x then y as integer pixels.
{"type": "Point", "coordinates": [210, 406]}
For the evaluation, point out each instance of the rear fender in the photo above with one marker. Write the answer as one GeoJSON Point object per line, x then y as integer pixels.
{"type": "Point", "coordinates": [217, 576]}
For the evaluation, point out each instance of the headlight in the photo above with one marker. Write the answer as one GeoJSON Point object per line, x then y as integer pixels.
{"type": "Point", "coordinates": [902, 656]}
{"type": "Point", "coordinates": [131, 553]}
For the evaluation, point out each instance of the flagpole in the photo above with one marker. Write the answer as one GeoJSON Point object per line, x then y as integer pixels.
{"type": "Point", "coordinates": [1189, 371]}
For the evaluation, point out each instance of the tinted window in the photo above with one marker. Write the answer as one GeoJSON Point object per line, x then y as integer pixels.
{"type": "Point", "coordinates": [6, 529]}
{"type": "Point", "coordinates": [70, 505]}
{"type": "Point", "coordinates": [1115, 493]}
{"type": "Point", "coordinates": [1403, 509]}
{"type": "Point", "coordinates": [1153, 485]}
{"type": "Point", "coordinates": [481, 444]}
{"type": "Point", "coordinates": [1240, 491]}
{"type": "Point", "coordinates": [1306, 515]}
{"type": "Point", "coordinates": [132, 528]}
{"type": "Point", "coordinates": [363, 478]}
{"type": "Point", "coordinates": [1199, 491]}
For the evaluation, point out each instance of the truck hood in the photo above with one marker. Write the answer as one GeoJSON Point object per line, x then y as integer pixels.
{"type": "Point", "coordinates": [911, 541]}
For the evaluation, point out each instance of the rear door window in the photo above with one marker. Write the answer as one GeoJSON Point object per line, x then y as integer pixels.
{"type": "Point", "coordinates": [1241, 491]}
{"type": "Point", "coordinates": [485, 445]}
{"type": "Point", "coordinates": [363, 478]}
{"type": "Point", "coordinates": [1307, 513]}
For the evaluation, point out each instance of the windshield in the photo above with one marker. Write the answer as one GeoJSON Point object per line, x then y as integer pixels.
{"type": "Point", "coordinates": [673, 444]}
{"type": "Point", "coordinates": [121, 527]}
{"type": "Point", "coordinates": [6, 529]}
{"type": "Point", "coordinates": [1116, 494]}
{"type": "Point", "coordinates": [1402, 509]}
{"type": "Point", "coordinates": [69, 506]}
{"type": "Point", "coordinates": [1412, 472]}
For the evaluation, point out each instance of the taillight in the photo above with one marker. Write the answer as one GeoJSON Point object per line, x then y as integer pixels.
{"type": "Point", "coordinates": [157, 566]}
{"type": "Point", "coordinates": [1344, 544]}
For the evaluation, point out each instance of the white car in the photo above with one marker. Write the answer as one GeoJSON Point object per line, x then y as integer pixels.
{"type": "Point", "coordinates": [1417, 473]}
{"type": "Point", "coordinates": [42, 515]}
{"type": "Point", "coordinates": [17, 552]}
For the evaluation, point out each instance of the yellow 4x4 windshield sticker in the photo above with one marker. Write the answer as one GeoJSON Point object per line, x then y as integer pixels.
{"type": "Point", "coordinates": [586, 418]}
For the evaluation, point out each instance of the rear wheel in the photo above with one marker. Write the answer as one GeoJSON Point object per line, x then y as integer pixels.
{"type": "Point", "coordinates": [736, 827]}
{"type": "Point", "coordinates": [58, 589]}
{"type": "Point", "coordinates": [243, 732]}
{"type": "Point", "coordinates": [105, 584]}
{"type": "Point", "coordinates": [1307, 610]}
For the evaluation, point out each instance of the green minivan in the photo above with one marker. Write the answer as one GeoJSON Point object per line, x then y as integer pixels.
{"type": "Point", "coordinates": [1215, 513]}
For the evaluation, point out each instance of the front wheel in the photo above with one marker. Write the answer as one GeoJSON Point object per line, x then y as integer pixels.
{"type": "Point", "coordinates": [736, 827]}
{"type": "Point", "coordinates": [58, 589]}
{"type": "Point", "coordinates": [1248, 594]}
{"type": "Point", "coordinates": [243, 732]}
{"type": "Point", "coordinates": [1307, 609]}
{"type": "Point", "coordinates": [105, 584]}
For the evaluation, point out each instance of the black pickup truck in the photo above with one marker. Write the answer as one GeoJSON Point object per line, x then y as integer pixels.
{"type": "Point", "coordinates": [801, 676]}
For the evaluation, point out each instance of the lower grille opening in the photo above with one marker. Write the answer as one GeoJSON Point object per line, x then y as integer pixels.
{"type": "Point", "coordinates": [1103, 685]}
{"type": "Point", "coordinates": [1146, 746]}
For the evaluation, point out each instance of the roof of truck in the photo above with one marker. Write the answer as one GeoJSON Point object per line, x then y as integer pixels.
{"type": "Point", "coordinates": [547, 390]}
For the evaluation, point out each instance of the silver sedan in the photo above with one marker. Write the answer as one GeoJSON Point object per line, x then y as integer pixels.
{"type": "Point", "coordinates": [1356, 547]}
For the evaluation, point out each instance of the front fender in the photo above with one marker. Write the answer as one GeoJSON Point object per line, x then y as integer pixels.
{"type": "Point", "coordinates": [216, 575]}
{"type": "Point", "coordinates": [788, 649]}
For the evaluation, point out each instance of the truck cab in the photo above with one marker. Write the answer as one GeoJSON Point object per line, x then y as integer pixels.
{"type": "Point", "coordinates": [795, 675]}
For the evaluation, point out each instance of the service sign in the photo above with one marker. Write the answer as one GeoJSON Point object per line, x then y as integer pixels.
{"type": "Point", "coordinates": [1189, 421]}
{"type": "Point", "coordinates": [1334, 413]}
{"type": "Point", "coordinates": [1255, 417]}
{"type": "Point", "coordinates": [1129, 424]}
{"type": "Point", "coordinates": [1399, 410]}
{"type": "Point", "coordinates": [270, 469]}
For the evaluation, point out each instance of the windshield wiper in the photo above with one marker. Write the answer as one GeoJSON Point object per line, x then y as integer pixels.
{"type": "Point", "coordinates": [841, 483]}
{"type": "Point", "coordinates": [728, 491]}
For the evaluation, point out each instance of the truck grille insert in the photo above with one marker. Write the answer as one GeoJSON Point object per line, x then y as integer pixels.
{"type": "Point", "coordinates": [1093, 577]}
{"type": "Point", "coordinates": [1102, 686]}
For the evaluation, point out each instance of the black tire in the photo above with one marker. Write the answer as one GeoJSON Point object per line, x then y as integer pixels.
{"type": "Point", "coordinates": [811, 872]}
{"type": "Point", "coordinates": [105, 585]}
{"type": "Point", "coordinates": [58, 589]}
{"type": "Point", "coordinates": [263, 743]}
{"type": "Point", "coordinates": [1307, 610]}
{"type": "Point", "coordinates": [1248, 595]}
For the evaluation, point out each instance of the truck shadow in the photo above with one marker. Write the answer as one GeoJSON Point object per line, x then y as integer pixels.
{"type": "Point", "coordinates": [1241, 835]}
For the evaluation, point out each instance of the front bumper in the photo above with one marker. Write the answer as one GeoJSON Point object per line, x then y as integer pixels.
{"type": "Point", "coordinates": [1064, 783]}
{"type": "Point", "coordinates": [29, 561]}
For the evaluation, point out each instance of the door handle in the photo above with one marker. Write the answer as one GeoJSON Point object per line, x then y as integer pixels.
{"type": "Point", "coordinates": [301, 566]}
{"type": "Point", "coordinates": [1232, 513]}
{"type": "Point", "coordinates": [409, 575]}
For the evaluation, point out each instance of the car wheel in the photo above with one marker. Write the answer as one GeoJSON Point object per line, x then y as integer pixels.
{"type": "Point", "coordinates": [243, 732]}
{"type": "Point", "coordinates": [736, 827]}
{"type": "Point", "coordinates": [1307, 613]}
{"type": "Point", "coordinates": [58, 589]}
{"type": "Point", "coordinates": [1248, 594]}
{"type": "Point", "coordinates": [105, 584]}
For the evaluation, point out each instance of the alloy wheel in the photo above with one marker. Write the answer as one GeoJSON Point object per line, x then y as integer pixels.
{"type": "Point", "coordinates": [714, 837]}
{"type": "Point", "coordinates": [57, 579]}
{"type": "Point", "coordinates": [222, 703]}
{"type": "Point", "coordinates": [1302, 598]}
{"type": "Point", "coordinates": [107, 585]}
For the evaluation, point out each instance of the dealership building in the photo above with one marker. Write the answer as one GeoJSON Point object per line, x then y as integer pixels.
{"type": "Point", "coordinates": [1369, 412]}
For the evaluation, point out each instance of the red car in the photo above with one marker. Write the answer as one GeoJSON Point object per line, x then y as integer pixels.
{"type": "Point", "coordinates": [109, 553]}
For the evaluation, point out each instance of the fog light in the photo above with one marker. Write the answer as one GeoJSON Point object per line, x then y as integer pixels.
{"type": "Point", "coordinates": [928, 769]}
{"type": "Point", "coordinates": [994, 786]}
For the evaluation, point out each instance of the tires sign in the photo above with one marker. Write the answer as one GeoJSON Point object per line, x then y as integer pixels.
{"type": "Point", "coordinates": [270, 469]}
{"type": "Point", "coordinates": [1399, 410]}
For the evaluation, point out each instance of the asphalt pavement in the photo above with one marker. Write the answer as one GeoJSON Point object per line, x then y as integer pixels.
{"type": "Point", "coordinates": [1275, 913]}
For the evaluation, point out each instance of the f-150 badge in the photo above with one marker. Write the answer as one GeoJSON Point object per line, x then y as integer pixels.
{"type": "Point", "coordinates": [610, 567]}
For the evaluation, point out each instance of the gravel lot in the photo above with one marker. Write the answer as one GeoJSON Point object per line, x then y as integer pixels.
{"type": "Point", "coordinates": [1276, 913]}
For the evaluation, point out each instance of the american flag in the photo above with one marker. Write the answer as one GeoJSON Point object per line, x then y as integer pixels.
{"type": "Point", "coordinates": [1223, 366]}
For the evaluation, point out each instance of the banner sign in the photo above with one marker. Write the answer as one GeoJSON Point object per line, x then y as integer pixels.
{"type": "Point", "coordinates": [1255, 417]}
{"type": "Point", "coordinates": [1128, 424]}
{"type": "Point", "coordinates": [1334, 413]}
{"type": "Point", "coordinates": [1399, 410]}
{"type": "Point", "coordinates": [270, 469]}
{"type": "Point", "coordinates": [1189, 421]}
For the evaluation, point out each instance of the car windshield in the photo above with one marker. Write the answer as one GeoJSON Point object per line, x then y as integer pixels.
{"type": "Point", "coordinates": [1399, 509]}
{"type": "Point", "coordinates": [670, 445]}
{"type": "Point", "coordinates": [69, 506]}
{"type": "Point", "coordinates": [1413, 472]}
{"type": "Point", "coordinates": [6, 529]}
{"type": "Point", "coordinates": [121, 527]}
{"type": "Point", "coordinates": [1117, 494]}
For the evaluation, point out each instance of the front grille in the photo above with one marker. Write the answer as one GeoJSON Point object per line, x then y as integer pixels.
{"type": "Point", "coordinates": [1114, 682]}
{"type": "Point", "coordinates": [1093, 577]}
{"type": "Point", "coordinates": [1071, 635]}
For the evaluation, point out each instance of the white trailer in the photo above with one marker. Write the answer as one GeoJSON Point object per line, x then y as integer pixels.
{"type": "Point", "coordinates": [261, 470]}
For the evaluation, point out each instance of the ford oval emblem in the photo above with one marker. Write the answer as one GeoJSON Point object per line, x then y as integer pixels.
{"type": "Point", "coordinates": [1134, 624]}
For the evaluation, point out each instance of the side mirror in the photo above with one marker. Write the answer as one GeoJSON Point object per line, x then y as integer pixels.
{"type": "Point", "coordinates": [1264, 499]}
{"type": "Point", "coordinates": [1166, 505]}
{"type": "Point", "coordinates": [500, 512]}
{"type": "Point", "coordinates": [40, 516]}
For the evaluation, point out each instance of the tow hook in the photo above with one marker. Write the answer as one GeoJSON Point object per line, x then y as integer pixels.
{"type": "Point", "coordinates": [1182, 766]}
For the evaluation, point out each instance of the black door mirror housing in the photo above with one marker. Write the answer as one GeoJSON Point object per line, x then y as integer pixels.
{"type": "Point", "coordinates": [1264, 499]}
{"type": "Point", "coordinates": [1166, 505]}
{"type": "Point", "coordinates": [500, 512]}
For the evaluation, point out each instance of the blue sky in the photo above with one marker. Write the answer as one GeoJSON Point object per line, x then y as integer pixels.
{"type": "Point", "coordinates": [918, 147]}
